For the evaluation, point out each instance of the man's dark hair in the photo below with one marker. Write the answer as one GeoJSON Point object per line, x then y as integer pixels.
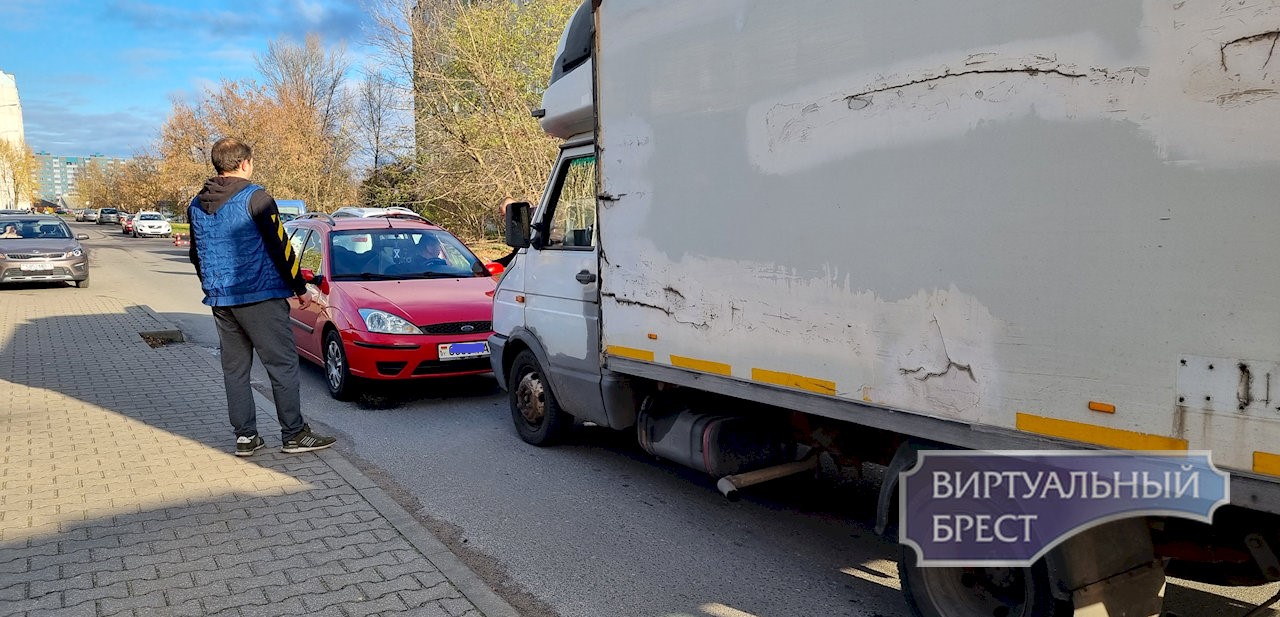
{"type": "Point", "coordinates": [228, 153]}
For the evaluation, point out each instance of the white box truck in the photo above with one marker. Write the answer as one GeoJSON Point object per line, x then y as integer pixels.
{"type": "Point", "coordinates": [864, 230]}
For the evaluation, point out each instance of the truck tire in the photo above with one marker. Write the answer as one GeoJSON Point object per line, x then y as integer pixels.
{"type": "Point", "coordinates": [978, 592]}
{"type": "Point", "coordinates": [535, 411]}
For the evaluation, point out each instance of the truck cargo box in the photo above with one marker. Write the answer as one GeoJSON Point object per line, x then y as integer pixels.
{"type": "Point", "coordinates": [1045, 218]}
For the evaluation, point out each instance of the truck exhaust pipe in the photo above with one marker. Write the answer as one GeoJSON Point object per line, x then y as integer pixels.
{"type": "Point", "coordinates": [730, 485]}
{"type": "Point", "coordinates": [741, 450]}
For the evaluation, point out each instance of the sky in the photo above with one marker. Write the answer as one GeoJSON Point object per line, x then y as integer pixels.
{"type": "Point", "coordinates": [98, 76]}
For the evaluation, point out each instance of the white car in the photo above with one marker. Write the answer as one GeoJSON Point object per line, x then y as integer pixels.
{"type": "Point", "coordinates": [391, 212]}
{"type": "Point", "coordinates": [148, 223]}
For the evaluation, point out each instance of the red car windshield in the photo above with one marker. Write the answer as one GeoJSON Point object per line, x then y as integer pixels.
{"type": "Point", "coordinates": [400, 254]}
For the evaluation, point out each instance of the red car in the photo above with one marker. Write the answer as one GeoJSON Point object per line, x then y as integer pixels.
{"type": "Point", "coordinates": [393, 297]}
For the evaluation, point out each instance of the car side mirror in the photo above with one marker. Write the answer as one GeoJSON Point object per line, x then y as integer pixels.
{"type": "Point", "coordinates": [82, 236]}
{"type": "Point", "coordinates": [311, 277]}
{"type": "Point", "coordinates": [494, 268]}
{"type": "Point", "coordinates": [517, 224]}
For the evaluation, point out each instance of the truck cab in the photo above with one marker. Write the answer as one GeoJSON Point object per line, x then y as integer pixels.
{"type": "Point", "coordinates": [546, 342]}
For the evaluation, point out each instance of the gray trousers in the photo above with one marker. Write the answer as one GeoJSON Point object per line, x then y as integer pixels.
{"type": "Point", "coordinates": [262, 327]}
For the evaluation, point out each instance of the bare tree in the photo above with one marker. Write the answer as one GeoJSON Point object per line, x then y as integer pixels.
{"type": "Point", "coordinates": [307, 74]}
{"type": "Point", "coordinates": [376, 106]}
{"type": "Point", "coordinates": [306, 84]}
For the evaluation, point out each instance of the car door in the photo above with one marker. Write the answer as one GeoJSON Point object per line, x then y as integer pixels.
{"type": "Point", "coordinates": [562, 285]}
{"type": "Point", "coordinates": [307, 245]}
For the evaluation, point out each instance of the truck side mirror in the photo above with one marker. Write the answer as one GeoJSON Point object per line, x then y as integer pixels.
{"type": "Point", "coordinates": [517, 224]}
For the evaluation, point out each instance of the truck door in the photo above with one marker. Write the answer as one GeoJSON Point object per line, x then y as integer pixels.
{"type": "Point", "coordinates": [562, 284]}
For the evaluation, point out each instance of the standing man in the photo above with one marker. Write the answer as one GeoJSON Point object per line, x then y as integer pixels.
{"type": "Point", "coordinates": [248, 271]}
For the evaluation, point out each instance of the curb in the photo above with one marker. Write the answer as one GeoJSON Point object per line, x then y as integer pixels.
{"type": "Point", "coordinates": [466, 581]}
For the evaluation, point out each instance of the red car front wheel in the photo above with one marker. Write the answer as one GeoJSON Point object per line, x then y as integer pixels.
{"type": "Point", "coordinates": [337, 371]}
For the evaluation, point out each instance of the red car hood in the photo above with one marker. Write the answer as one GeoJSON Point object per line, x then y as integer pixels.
{"type": "Point", "coordinates": [424, 301]}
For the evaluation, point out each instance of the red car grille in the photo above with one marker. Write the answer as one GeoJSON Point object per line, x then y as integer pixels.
{"type": "Point", "coordinates": [458, 327]}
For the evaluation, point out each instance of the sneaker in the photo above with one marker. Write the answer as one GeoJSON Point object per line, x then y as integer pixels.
{"type": "Point", "coordinates": [246, 446]}
{"type": "Point", "coordinates": [307, 441]}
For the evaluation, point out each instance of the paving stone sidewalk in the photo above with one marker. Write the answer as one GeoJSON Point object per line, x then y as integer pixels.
{"type": "Point", "coordinates": [119, 495]}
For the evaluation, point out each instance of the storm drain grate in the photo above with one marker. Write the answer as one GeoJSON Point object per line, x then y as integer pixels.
{"type": "Point", "coordinates": [160, 338]}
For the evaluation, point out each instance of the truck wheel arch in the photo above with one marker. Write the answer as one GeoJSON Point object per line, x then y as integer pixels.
{"type": "Point", "coordinates": [519, 340]}
{"type": "Point", "coordinates": [903, 459]}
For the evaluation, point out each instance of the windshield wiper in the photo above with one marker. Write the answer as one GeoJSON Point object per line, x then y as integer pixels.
{"type": "Point", "coordinates": [433, 275]}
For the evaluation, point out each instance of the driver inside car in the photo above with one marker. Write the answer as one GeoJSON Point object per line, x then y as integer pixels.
{"type": "Point", "coordinates": [429, 253]}
{"type": "Point", "coordinates": [402, 256]}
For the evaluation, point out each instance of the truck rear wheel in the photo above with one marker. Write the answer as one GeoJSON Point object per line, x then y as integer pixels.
{"type": "Point", "coordinates": [978, 592]}
{"type": "Point", "coordinates": [535, 411]}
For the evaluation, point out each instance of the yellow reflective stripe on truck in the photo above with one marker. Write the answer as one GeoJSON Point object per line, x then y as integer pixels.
{"type": "Point", "coordinates": [790, 380]}
{"type": "Point", "coordinates": [1098, 435]}
{"type": "Point", "coordinates": [629, 352]}
{"type": "Point", "coordinates": [706, 366]}
{"type": "Point", "coordinates": [774, 378]}
{"type": "Point", "coordinates": [1266, 462]}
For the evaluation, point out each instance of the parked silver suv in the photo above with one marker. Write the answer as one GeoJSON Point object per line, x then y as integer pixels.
{"type": "Point", "coordinates": [108, 215]}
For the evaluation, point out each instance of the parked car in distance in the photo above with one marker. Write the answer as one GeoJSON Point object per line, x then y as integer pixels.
{"type": "Point", "coordinates": [150, 223]}
{"type": "Point", "coordinates": [108, 215]}
{"type": "Point", "coordinates": [40, 247]}
{"type": "Point", "coordinates": [126, 223]}
{"type": "Point", "coordinates": [91, 215]}
{"type": "Point", "coordinates": [290, 209]}
{"type": "Point", "coordinates": [359, 212]}
{"type": "Point", "coordinates": [80, 215]}
{"type": "Point", "coordinates": [397, 298]}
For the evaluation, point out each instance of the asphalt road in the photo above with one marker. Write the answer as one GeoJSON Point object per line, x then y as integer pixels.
{"type": "Point", "coordinates": [594, 527]}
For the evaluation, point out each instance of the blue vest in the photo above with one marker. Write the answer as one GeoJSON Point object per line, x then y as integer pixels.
{"type": "Point", "coordinates": [234, 266]}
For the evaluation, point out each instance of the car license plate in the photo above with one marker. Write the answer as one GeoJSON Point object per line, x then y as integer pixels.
{"type": "Point", "coordinates": [455, 351]}
{"type": "Point", "coordinates": [36, 267]}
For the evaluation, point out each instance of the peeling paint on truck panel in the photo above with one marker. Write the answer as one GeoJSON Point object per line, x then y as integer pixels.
{"type": "Point", "coordinates": [965, 220]}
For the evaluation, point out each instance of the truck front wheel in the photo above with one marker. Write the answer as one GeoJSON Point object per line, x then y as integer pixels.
{"type": "Point", "coordinates": [978, 592]}
{"type": "Point", "coordinates": [535, 411]}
